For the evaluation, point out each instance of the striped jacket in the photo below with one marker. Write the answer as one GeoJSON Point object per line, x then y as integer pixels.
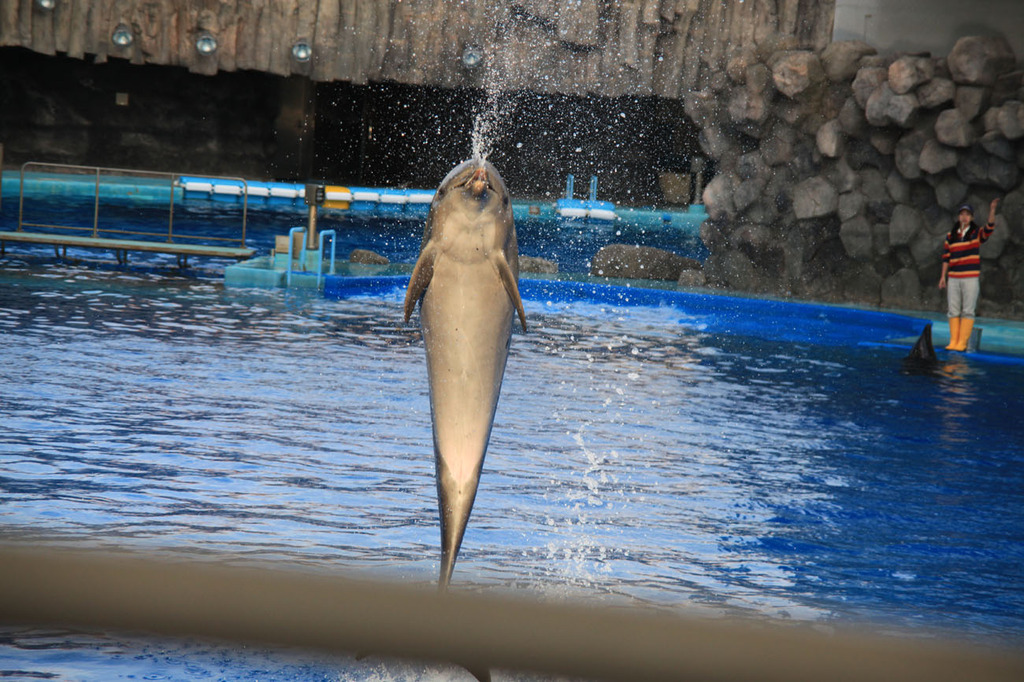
{"type": "Point", "coordinates": [964, 254]}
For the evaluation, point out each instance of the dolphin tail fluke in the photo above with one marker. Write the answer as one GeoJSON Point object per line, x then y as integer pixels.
{"type": "Point", "coordinates": [455, 498]}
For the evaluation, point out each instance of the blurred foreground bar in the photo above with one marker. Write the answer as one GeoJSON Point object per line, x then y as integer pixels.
{"type": "Point", "coordinates": [313, 611]}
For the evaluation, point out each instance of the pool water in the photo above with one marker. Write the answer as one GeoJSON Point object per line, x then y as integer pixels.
{"type": "Point", "coordinates": [569, 243]}
{"type": "Point", "coordinates": [640, 453]}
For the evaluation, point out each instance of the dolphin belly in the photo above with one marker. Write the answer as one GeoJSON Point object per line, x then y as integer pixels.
{"type": "Point", "coordinates": [467, 322]}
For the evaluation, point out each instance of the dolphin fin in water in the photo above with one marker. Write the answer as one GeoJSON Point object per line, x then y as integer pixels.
{"type": "Point", "coordinates": [922, 356]}
{"type": "Point", "coordinates": [923, 350]}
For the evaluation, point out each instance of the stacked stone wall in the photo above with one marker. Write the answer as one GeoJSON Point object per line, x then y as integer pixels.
{"type": "Point", "coordinates": [840, 171]}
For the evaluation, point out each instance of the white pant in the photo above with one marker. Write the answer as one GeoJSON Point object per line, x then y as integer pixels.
{"type": "Point", "coordinates": [962, 296]}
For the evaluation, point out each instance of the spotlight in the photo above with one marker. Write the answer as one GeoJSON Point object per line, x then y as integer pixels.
{"type": "Point", "coordinates": [301, 50]}
{"type": "Point", "coordinates": [122, 36]}
{"type": "Point", "coordinates": [206, 43]}
{"type": "Point", "coordinates": [472, 55]}
{"type": "Point", "coordinates": [46, 5]}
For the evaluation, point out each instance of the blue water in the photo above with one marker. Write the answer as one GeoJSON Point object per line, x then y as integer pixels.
{"type": "Point", "coordinates": [749, 460]}
{"type": "Point", "coordinates": [397, 236]}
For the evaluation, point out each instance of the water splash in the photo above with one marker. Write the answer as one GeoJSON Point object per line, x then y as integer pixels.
{"type": "Point", "coordinates": [488, 122]}
{"type": "Point", "coordinates": [498, 105]}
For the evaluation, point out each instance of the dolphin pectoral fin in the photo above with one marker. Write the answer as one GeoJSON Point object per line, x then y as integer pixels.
{"type": "Point", "coordinates": [509, 281]}
{"type": "Point", "coordinates": [421, 276]}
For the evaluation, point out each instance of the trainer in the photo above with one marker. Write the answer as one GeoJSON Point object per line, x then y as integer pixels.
{"type": "Point", "coordinates": [961, 269]}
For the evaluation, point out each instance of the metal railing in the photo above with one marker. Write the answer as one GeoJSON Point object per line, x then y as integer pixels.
{"type": "Point", "coordinates": [97, 172]}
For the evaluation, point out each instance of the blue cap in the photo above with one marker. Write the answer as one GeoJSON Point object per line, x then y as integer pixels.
{"type": "Point", "coordinates": [966, 207]}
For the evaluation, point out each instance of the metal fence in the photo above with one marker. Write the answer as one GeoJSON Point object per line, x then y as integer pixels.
{"type": "Point", "coordinates": [63, 172]}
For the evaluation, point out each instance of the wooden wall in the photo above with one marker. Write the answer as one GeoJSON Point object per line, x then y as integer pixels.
{"type": "Point", "coordinates": [642, 47]}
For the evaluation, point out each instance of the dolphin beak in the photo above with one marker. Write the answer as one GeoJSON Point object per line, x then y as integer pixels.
{"type": "Point", "coordinates": [478, 183]}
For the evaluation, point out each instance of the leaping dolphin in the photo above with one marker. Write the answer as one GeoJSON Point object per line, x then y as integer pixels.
{"type": "Point", "coordinates": [467, 277]}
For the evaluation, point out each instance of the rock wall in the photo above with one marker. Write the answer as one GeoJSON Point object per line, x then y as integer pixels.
{"type": "Point", "coordinates": [840, 171]}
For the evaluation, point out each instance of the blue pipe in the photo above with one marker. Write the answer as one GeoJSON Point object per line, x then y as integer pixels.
{"type": "Point", "coordinates": [593, 188]}
{"type": "Point", "coordinates": [569, 182]}
{"type": "Point", "coordinates": [291, 250]}
{"type": "Point", "coordinates": [320, 260]}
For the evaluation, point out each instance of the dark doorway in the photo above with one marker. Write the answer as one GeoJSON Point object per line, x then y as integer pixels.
{"type": "Point", "coordinates": [392, 134]}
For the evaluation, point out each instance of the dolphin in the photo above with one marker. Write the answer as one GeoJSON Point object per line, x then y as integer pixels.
{"type": "Point", "coordinates": [467, 282]}
{"type": "Point", "coordinates": [922, 357]}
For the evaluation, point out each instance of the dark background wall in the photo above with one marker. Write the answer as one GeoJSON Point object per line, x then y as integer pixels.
{"type": "Point", "coordinates": [261, 126]}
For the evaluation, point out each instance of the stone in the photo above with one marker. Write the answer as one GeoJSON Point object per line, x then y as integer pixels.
{"type": "Point", "coordinates": [908, 72]}
{"type": "Point", "coordinates": [831, 140]}
{"type": "Point", "coordinates": [717, 196]}
{"type": "Point", "coordinates": [840, 59]}
{"type": "Point", "coordinates": [880, 232]}
{"type": "Point", "coordinates": [908, 153]}
{"type": "Point", "coordinates": [537, 264]}
{"type": "Point", "coordinates": [936, 92]}
{"type": "Point", "coordinates": [714, 142]}
{"type": "Point", "coordinates": [954, 129]}
{"type": "Point", "coordinates": [926, 249]}
{"type": "Point", "coordinates": [860, 155]}
{"type": "Point", "coordinates": [842, 177]}
{"type": "Point", "coordinates": [814, 198]}
{"type": "Point", "coordinates": [851, 118]}
{"type": "Point", "coordinates": [1011, 120]}
{"type": "Point", "coordinates": [980, 60]}
{"type": "Point", "coordinates": [922, 196]}
{"type": "Point", "coordinates": [867, 81]}
{"type": "Point", "coordinates": [747, 107]}
{"type": "Point", "coordinates": [689, 279]}
{"type": "Point", "coordinates": [850, 205]}
{"type": "Point", "coordinates": [857, 238]}
{"type": "Point", "coordinates": [884, 140]}
{"type": "Point", "coordinates": [751, 166]}
{"type": "Point", "coordinates": [862, 284]}
{"type": "Point", "coordinates": [902, 289]}
{"type": "Point", "coordinates": [905, 224]}
{"type": "Point", "coordinates": [898, 187]}
{"type": "Point", "coordinates": [990, 119]}
{"type": "Point", "coordinates": [978, 167]}
{"type": "Point", "coordinates": [736, 67]}
{"type": "Point", "coordinates": [758, 78]}
{"type": "Point", "coordinates": [997, 145]}
{"type": "Point", "coordinates": [746, 193]}
{"type": "Point", "coordinates": [639, 262]}
{"type": "Point", "coordinates": [751, 236]}
{"type": "Point", "coordinates": [884, 107]}
{"type": "Point", "coordinates": [995, 245]}
{"type": "Point", "coordinates": [971, 100]}
{"type": "Point", "coordinates": [777, 146]}
{"type": "Point", "coordinates": [367, 257]}
{"type": "Point", "coordinates": [1007, 86]}
{"type": "Point", "coordinates": [936, 157]}
{"type": "Point", "coordinates": [732, 268]}
{"type": "Point", "coordinates": [879, 203]}
{"type": "Point", "coordinates": [794, 72]}
{"type": "Point", "coordinates": [950, 191]}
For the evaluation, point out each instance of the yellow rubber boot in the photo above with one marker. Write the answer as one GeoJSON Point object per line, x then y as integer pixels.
{"type": "Point", "coordinates": [954, 332]}
{"type": "Point", "coordinates": [966, 325]}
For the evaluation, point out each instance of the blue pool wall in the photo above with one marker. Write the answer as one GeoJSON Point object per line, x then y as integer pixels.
{"type": "Point", "coordinates": [711, 313]}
